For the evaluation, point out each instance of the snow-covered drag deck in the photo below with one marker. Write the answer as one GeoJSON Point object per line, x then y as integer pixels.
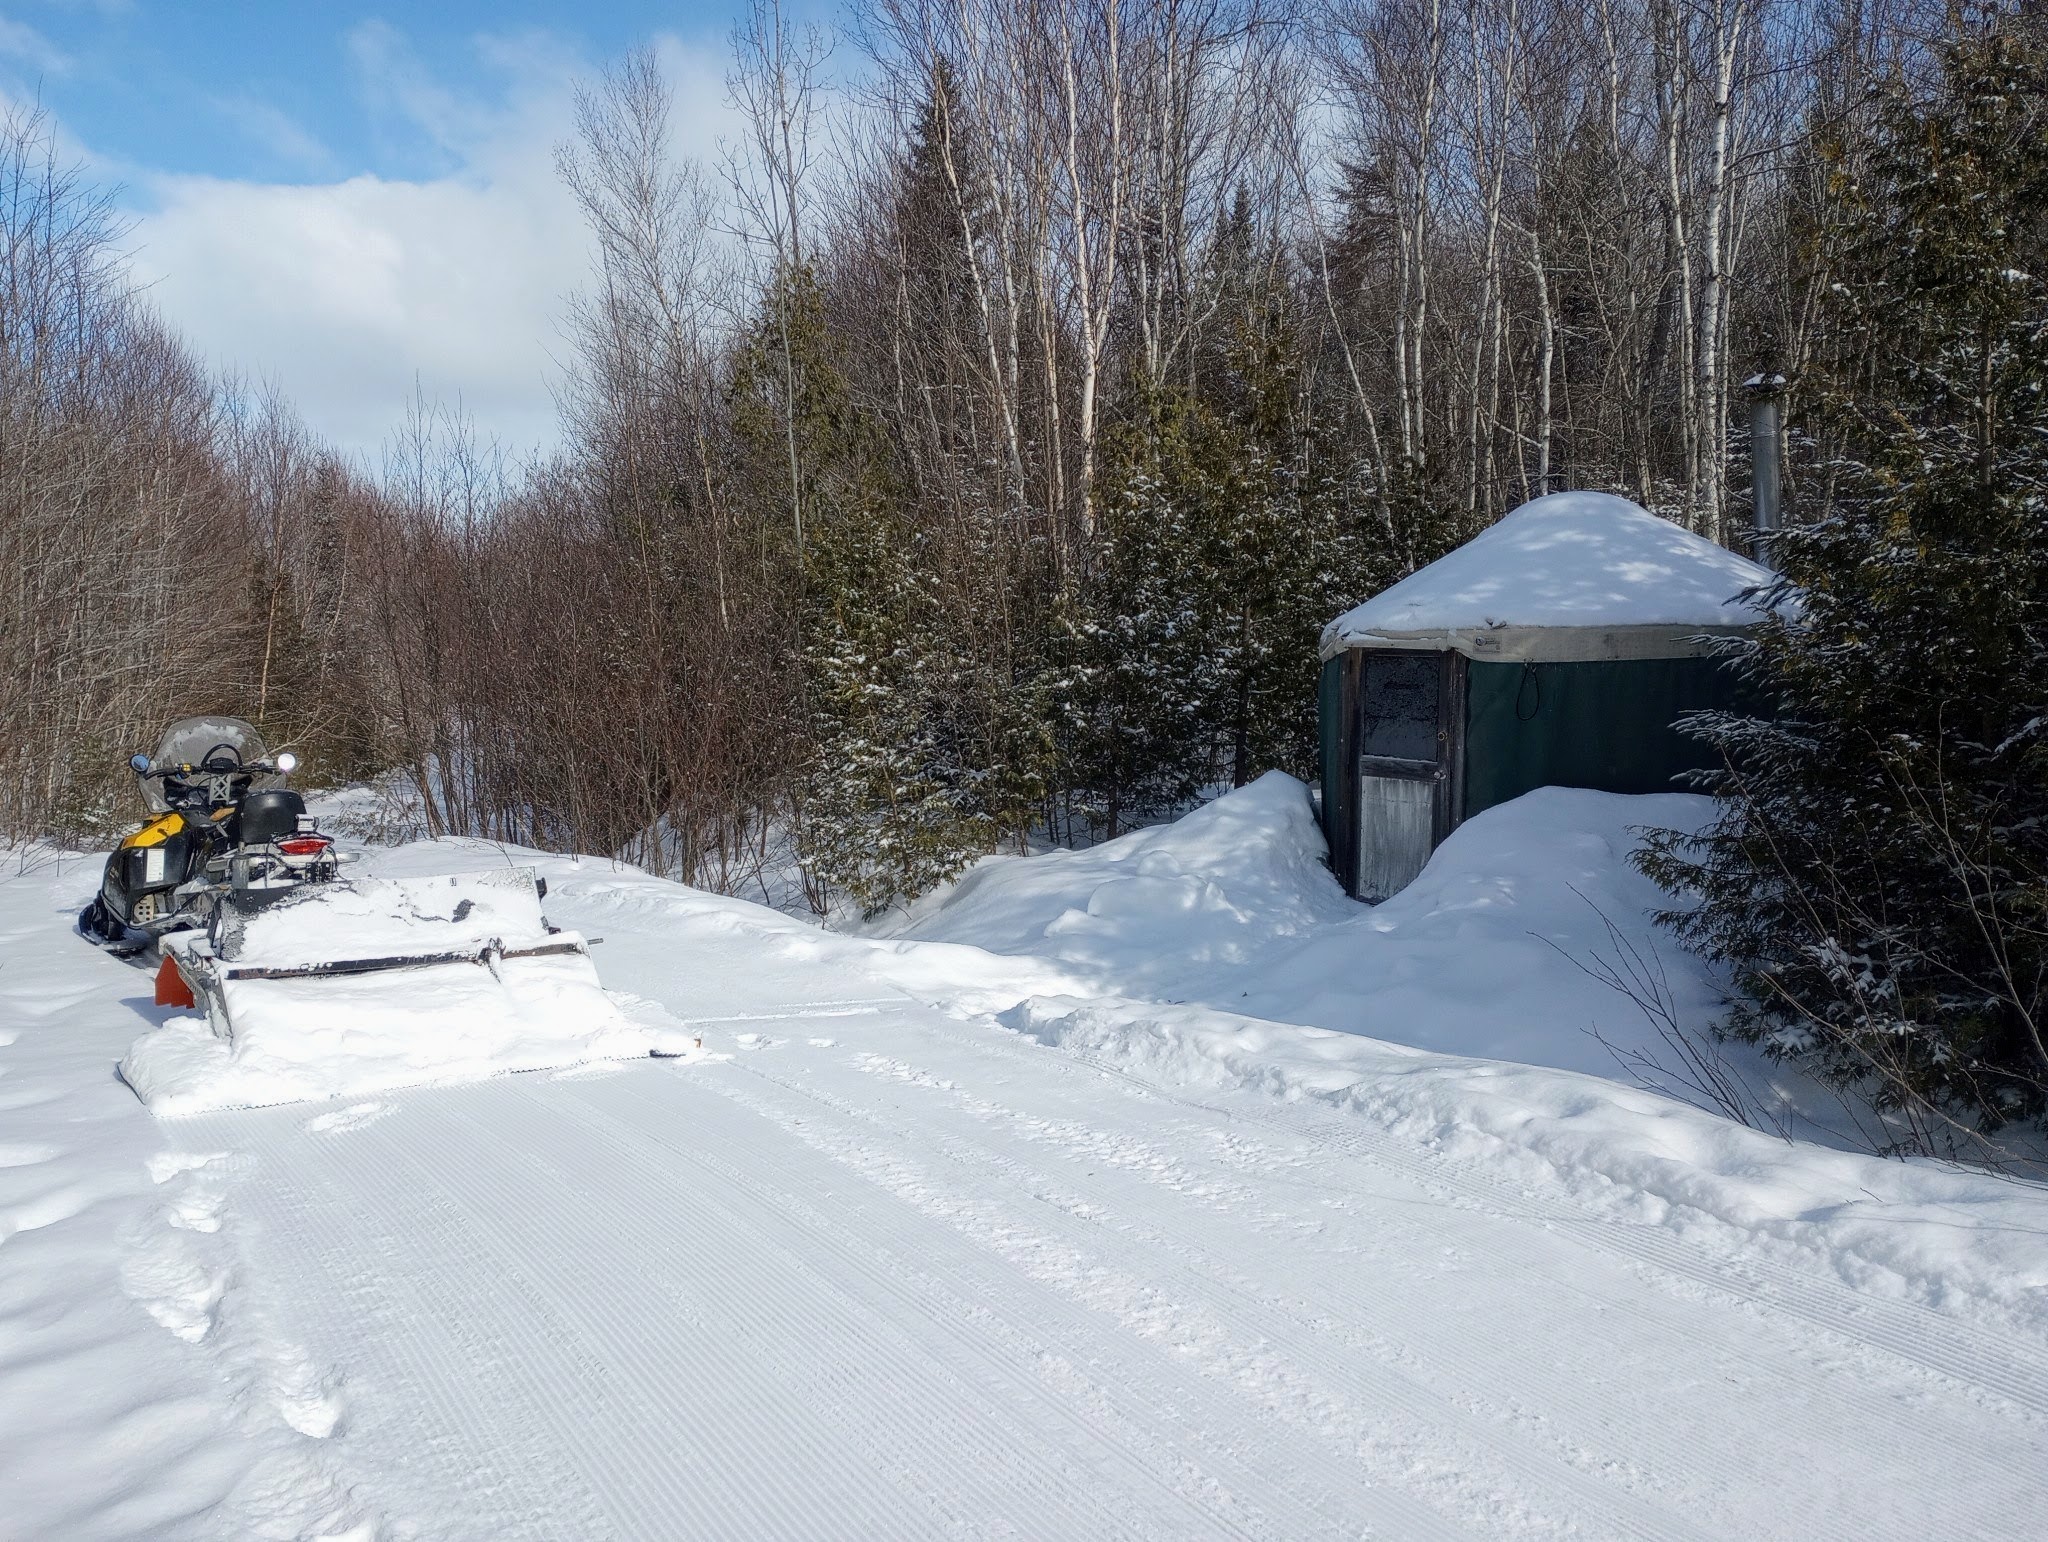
{"type": "Point", "coordinates": [892, 1275]}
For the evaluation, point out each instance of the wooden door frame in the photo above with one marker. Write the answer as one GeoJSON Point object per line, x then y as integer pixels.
{"type": "Point", "coordinates": [1450, 709]}
{"type": "Point", "coordinates": [1449, 807]}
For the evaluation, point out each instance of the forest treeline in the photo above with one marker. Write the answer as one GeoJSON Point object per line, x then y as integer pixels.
{"type": "Point", "coordinates": [980, 449]}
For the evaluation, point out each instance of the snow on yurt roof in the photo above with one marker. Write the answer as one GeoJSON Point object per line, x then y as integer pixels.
{"type": "Point", "coordinates": [1568, 576]}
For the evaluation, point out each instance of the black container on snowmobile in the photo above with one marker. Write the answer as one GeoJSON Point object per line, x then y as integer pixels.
{"type": "Point", "coordinates": [223, 824]}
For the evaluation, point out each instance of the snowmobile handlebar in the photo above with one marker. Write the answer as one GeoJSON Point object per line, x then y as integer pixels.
{"type": "Point", "coordinates": [282, 764]}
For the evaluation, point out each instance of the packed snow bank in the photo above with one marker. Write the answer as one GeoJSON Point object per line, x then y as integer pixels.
{"type": "Point", "coordinates": [1210, 892]}
{"type": "Point", "coordinates": [1500, 946]}
{"type": "Point", "coordinates": [1920, 1230]}
{"type": "Point", "coordinates": [1492, 951]}
{"type": "Point", "coordinates": [267, 1041]}
{"type": "Point", "coordinates": [1473, 1013]}
{"type": "Point", "coordinates": [1576, 560]}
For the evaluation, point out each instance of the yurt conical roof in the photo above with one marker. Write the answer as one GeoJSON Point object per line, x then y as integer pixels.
{"type": "Point", "coordinates": [1568, 577]}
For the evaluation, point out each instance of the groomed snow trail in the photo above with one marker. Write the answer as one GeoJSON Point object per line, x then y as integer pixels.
{"type": "Point", "coordinates": [888, 1273]}
{"type": "Point", "coordinates": [944, 1242]}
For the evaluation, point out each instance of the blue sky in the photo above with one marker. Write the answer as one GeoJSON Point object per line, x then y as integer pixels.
{"type": "Point", "coordinates": [344, 200]}
{"type": "Point", "coordinates": [297, 91]}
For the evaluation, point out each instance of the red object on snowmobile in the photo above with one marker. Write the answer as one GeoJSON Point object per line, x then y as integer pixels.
{"type": "Point", "coordinates": [171, 989]}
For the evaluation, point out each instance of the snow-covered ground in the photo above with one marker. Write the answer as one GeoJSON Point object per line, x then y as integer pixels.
{"type": "Point", "coordinates": [1062, 1211]}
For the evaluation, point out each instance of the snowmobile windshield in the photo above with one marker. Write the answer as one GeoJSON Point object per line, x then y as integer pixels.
{"type": "Point", "coordinates": [194, 740]}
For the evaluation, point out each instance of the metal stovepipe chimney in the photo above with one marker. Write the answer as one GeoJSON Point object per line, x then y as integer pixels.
{"type": "Point", "coordinates": [1766, 407]}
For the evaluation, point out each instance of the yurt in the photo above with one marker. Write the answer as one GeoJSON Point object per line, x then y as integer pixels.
{"type": "Point", "coordinates": [1557, 648]}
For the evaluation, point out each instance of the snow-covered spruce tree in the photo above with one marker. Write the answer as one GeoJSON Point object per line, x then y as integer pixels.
{"type": "Point", "coordinates": [1297, 545]}
{"type": "Point", "coordinates": [1138, 672]}
{"type": "Point", "coordinates": [1227, 535]}
{"type": "Point", "coordinates": [920, 762]}
{"type": "Point", "coordinates": [985, 689]}
{"type": "Point", "coordinates": [1878, 874]}
{"type": "Point", "coordinates": [884, 814]}
{"type": "Point", "coordinates": [878, 812]}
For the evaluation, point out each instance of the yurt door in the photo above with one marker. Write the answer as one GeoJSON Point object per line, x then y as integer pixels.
{"type": "Point", "coordinates": [1407, 719]}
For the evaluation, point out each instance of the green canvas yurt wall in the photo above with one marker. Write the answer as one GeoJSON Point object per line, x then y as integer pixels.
{"type": "Point", "coordinates": [1606, 724]}
{"type": "Point", "coordinates": [1570, 638]}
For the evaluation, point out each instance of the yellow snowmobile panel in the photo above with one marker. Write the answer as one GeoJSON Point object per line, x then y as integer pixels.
{"type": "Point", "coordinates": [156, 832]}
{"type": "Point", "coordinates": [163, 827]}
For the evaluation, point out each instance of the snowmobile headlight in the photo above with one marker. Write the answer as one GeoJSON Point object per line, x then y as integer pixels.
{"type": "Point", "coordinates": [287, 762]}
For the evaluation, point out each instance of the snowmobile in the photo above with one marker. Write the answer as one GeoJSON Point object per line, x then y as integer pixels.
{"type": "Point", "coordinates": [240, 893]}
{"type": "Point", "coordinates": [223, 825]}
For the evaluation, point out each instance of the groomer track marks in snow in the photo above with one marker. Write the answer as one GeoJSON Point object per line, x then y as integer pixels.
{"type": "Point", "coordinates": [1433, 1346]}
{"type": "Point", "coordinates": [1744, 1276]}
{"type": "Point", "coordinates": [938, 1277]}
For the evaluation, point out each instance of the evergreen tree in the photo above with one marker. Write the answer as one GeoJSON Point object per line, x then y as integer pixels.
{"type": "Point", "coordinates": [932, 246]}
{"type": "Point", "coordinates": [1878, 875]}
{"type": "Point", "coordinates": [988, 691]}
{"type": "Point", "coordinates": [1140, 659]}
{"type": "Point", "coordinates": [913, 764]}
{"type": "Point", "coordinates": [1294, 547]}
{"type": "Point", "coordinates": [889, 809]}
{"type": "Point", "coordinates": [1228, 533]}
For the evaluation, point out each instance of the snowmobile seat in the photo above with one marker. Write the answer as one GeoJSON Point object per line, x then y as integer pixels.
{"type": "Point", "coordinates": [268, 815]}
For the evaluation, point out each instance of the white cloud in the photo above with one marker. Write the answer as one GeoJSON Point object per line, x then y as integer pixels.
{"type": "Point", "coordinates": [347, 293]}
{"type": "Point", "coordinates": [275, 130]}
{"type": "Point", "coordinates": [397, 87]}
{"type": "Point", "coordinates": [22, 44]}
